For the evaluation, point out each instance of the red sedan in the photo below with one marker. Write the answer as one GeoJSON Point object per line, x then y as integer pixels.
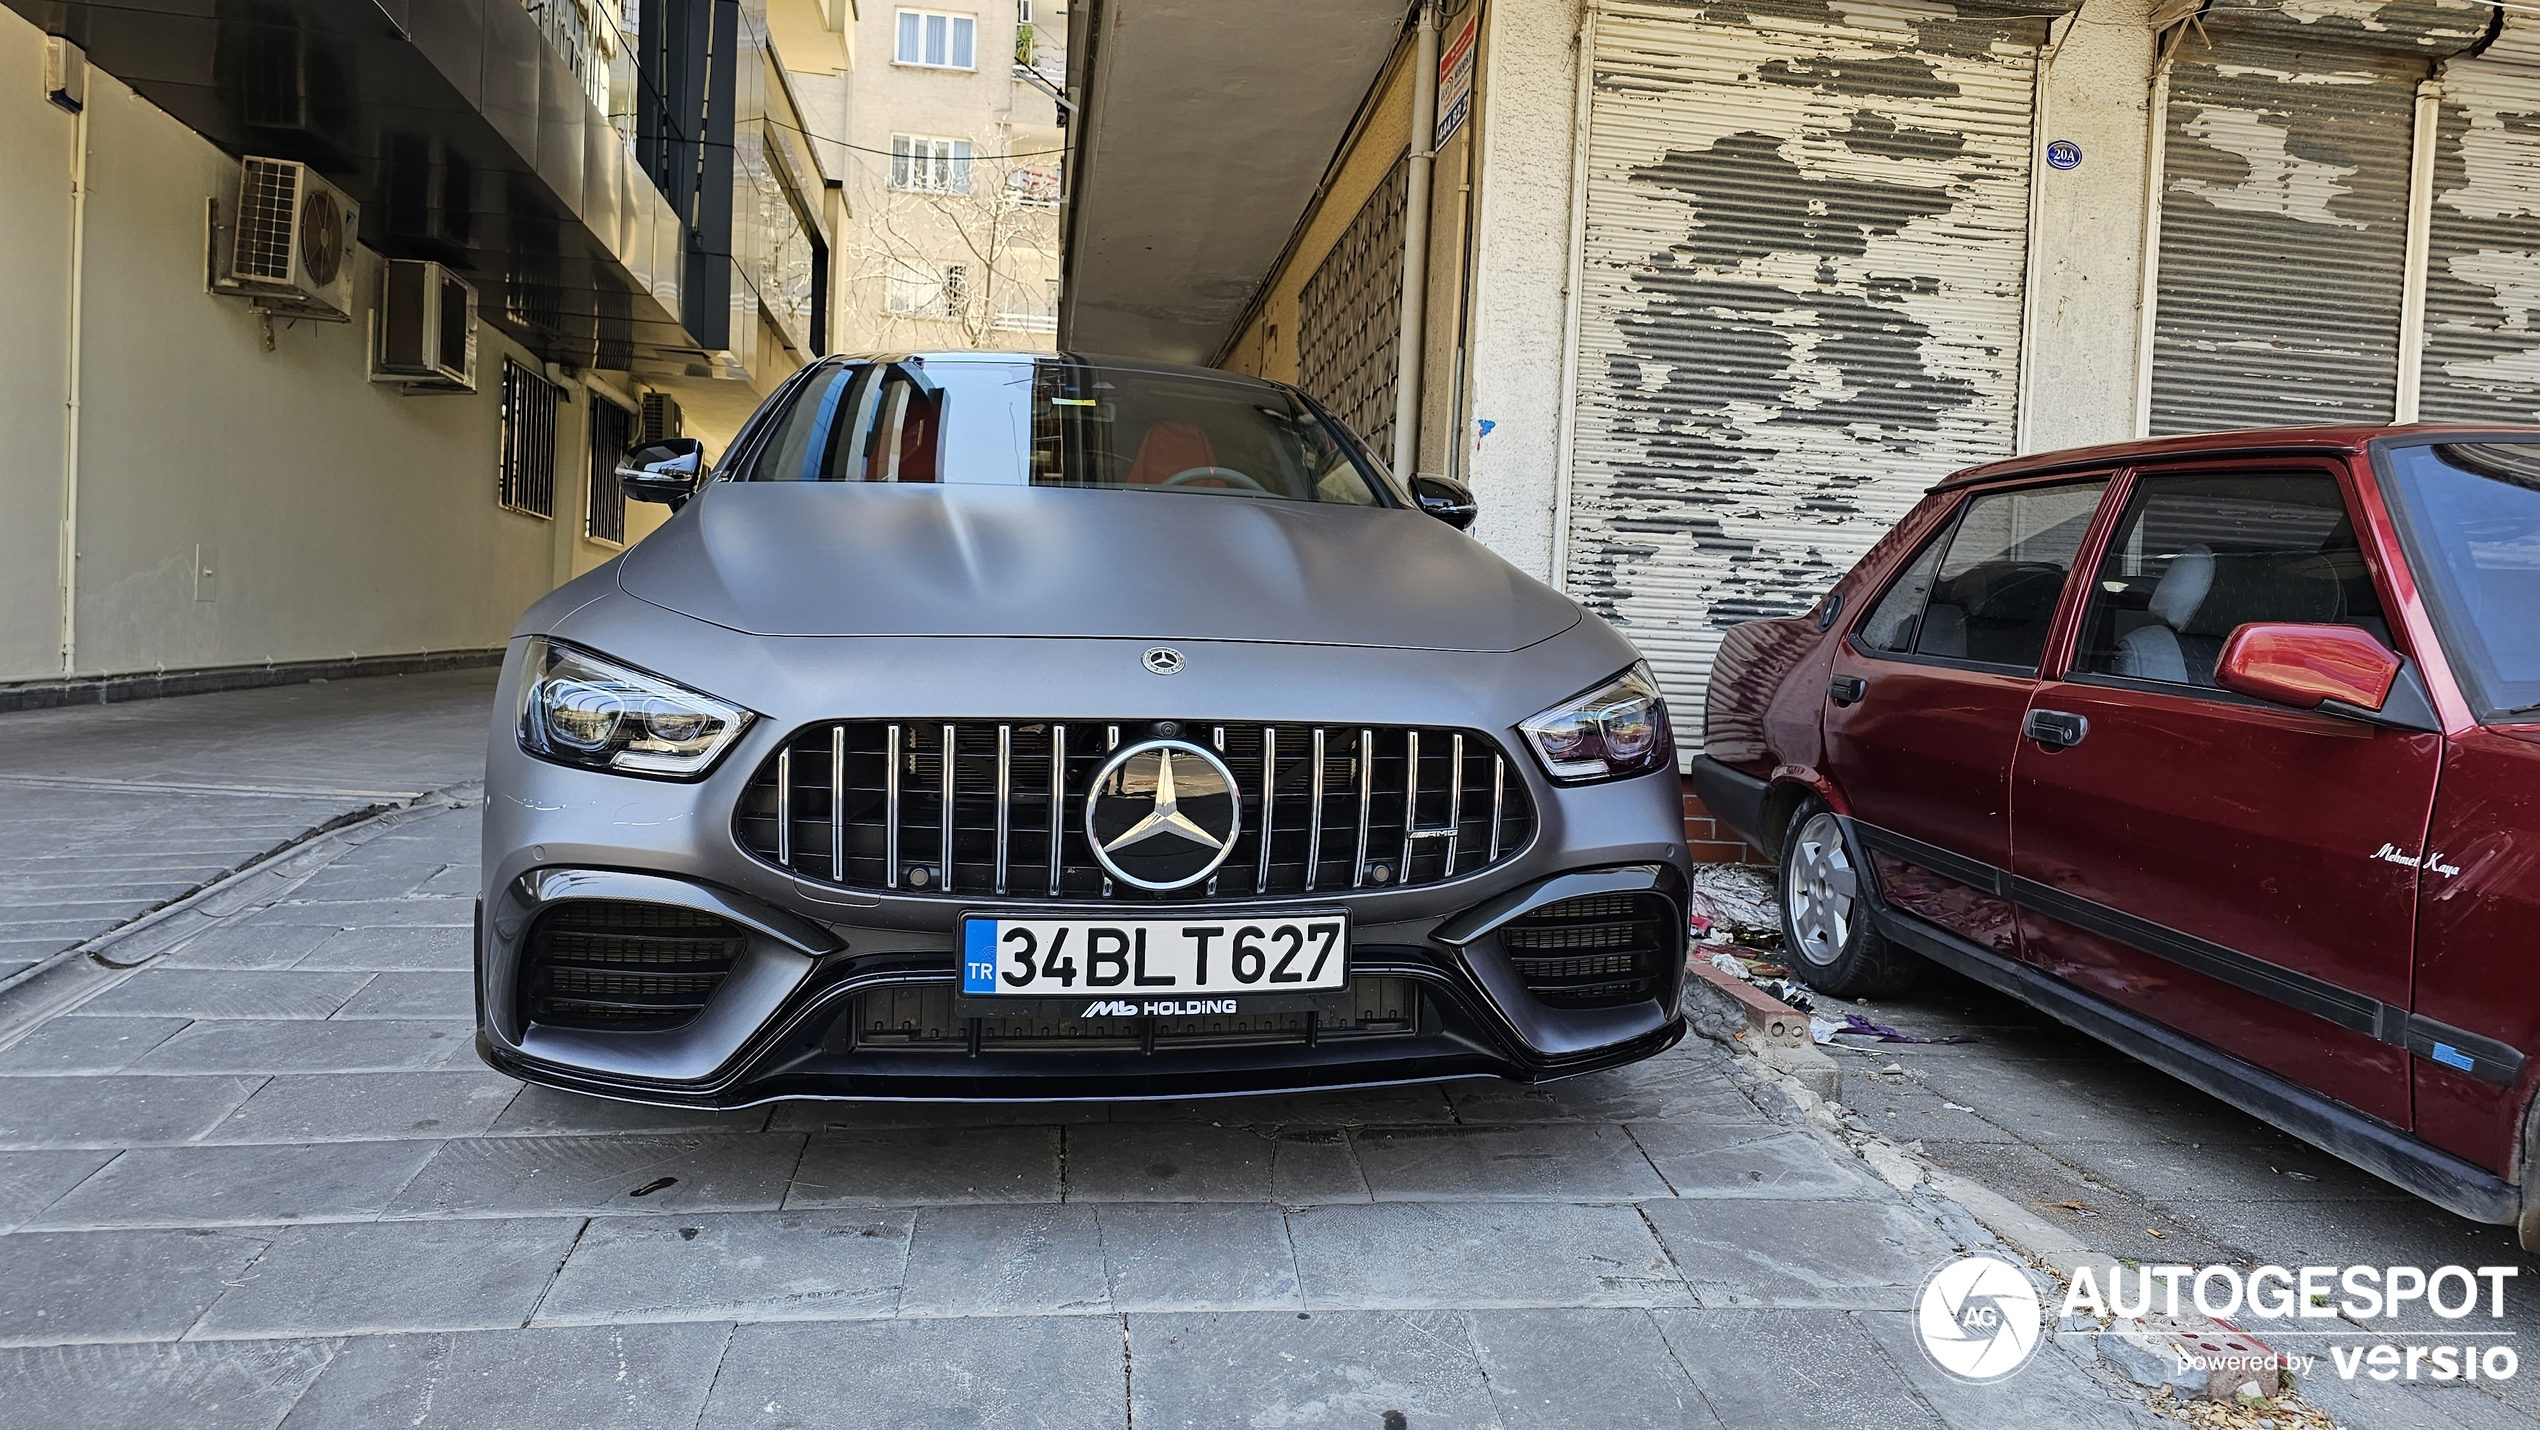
{"type": "Point", "coordinates": [2223, 749]}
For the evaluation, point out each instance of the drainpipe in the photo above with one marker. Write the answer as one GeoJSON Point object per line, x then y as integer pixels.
{"type": "Point", "coordinates": [2147, 306]}
{"type": "Point", "coordinates": [70, 393]}
{"type": "Point", "coordinates": [2420, 244]}
{"type": "Point", "coordinates": [1415, 244]}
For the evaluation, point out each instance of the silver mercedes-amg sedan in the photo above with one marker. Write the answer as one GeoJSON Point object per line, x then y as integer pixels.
{"type": "Point", "coordinates": [998, 726]}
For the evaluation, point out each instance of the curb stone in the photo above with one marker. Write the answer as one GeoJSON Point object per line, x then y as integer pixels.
{"type": "Point", "coordinates": [86, 969]}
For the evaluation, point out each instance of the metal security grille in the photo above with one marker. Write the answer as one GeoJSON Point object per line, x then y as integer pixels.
{"type": "Point", "coordinates": [527, 479]}
{"type": "Point", "coordinates": [268, 202]}
{"type": "Point", "coordinates": [1348, 319]}
{"type": "Point", "coordinates": [612, 428]}
{"type": "Point", "coordinates": [2482, 348]}
{"type": "Point", "coordinates": [1799, 299]}
{"type": "Point", "coordinates": [2284, 199]}
{"type": "Point", "coordinates": [1326, 809]}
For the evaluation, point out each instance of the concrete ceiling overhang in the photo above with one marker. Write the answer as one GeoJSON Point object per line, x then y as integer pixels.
{"type": "Point", "coordinates": [1203, 133]}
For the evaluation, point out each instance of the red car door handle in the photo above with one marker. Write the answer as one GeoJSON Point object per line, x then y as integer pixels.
{"type": "Point", "coordinates": [2055, 728]}
{"type": "Point", "coordinates": [1845, 689]}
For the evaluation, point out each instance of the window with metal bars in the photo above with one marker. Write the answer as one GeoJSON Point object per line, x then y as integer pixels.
{"type": "Point", "coordinates": [612, 432]}
{"type": "Point", "coordinates": [1326, 809]}
{"type": "Point", "coordinates": [526, 482]}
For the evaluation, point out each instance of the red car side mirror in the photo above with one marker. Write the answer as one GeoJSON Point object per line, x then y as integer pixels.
{"type": "Point", "coordinates": [2302, 665]}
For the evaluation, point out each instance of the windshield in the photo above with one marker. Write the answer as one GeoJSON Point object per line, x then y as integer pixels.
{"type": "Point", "coordinates": [1060, 422]}
{"type": "Point", "coordinates": [2471, 516]}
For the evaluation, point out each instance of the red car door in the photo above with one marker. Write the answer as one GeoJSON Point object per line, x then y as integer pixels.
{"type": "Point", "coordinates": [1928, 691]}
{"type": "Point", "coordinates": [2223, 865]}
{"type": "Point", "coordinates": [2470, 586]}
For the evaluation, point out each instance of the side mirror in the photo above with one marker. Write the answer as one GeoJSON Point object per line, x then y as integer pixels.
{"type": "Point", "coordinates": [2306, 665]}
{"type": "Point", "coordinates": [1447, 499]}
{"type": "Point", "coordinates": [665, 471]}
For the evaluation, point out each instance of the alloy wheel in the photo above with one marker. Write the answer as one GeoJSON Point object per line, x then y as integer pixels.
{"type": "Point", "coordinates": [1819, 889]}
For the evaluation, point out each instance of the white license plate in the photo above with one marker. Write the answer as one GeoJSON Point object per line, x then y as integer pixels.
{"type": "Point", "coordinates": [1145, 958]}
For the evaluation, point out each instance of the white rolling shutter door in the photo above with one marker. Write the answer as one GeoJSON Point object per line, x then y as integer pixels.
{"type": "Point", "coordinates": [2482, 290]}
{"type": "Point", "coordinates": [1800, 299]}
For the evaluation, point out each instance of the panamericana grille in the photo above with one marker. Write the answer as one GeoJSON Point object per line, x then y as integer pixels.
{"type": "Point", "coordinates": [919, 1018]}
{"type": "Point", "coordinates": [1346, 807]}
{"type": "Point", "coordinates": [626, 967]}
{"type": "Point", "coordinates": [1594, 951]}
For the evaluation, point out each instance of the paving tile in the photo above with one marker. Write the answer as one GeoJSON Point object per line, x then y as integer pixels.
{"type": "Point", "coordinates": [1547, 1160]}
{"type": "Point", "coordinates": [621, 1377]}
{"type": "Point", "coordinates": [1691, 1079]}
{"type": "Point", "coordinates": [388, 950]}
{"type": "Point", "coordinates": [1005, 1261]}
{"type": "Point", "coordinates": [225, 993]}
{"type": "Point", "coordinates": [1365, 1369]}
{"type": "Point", "coordinates": [358, 1107]}
{"type": "Point", "coordinates": [76, 1286]}
{"type": "Point", "coordinates": [1188, 1162]}
{"type": "Point", "coordinates": [748, 1266]}
{"type": "Point", "coordinates": [80, 1046]}
{"type": "Point", "coordinates": [244, 1385]}
{"type": "Point", "coordinates": [2057, 1388]}
{"type": "Point", "coordinates": [1538, 1381]}
{"type": "Point", "coordinates": [1043, 1372]}
{"type": "Point", "coordinates": [364, 1278]}
{"type": "Point", "coordinates": [32, 1181]}
{"type": "Point", "coordinates": [551, 1112]}
{"type": "Point", "coordinates": [929, 1167]}
{"type": "Point", "coordinates": [247, 943]}
{"type": "Point", "coordinates": [374, 913]}
{"type": "Point", "coordinates": [1717, 1157]}
{"type": "Point", "coordinates": [348, 881]}
{"type": "Point", "coordinates": [1848, 1255]}
{"type": "Point", "coordinates": [1418, 1255]}
{"type": "Point", "coordinates": [117, 1111]}
{"type": "Point", "coordinates": [521, 1176]}
{"type": "Point", "coordinates": [1410, 1105]}
{"type": "Point", "coordinates": [409, 995]}
{"type": "Point", "coordinates": [1807, 1370]}
{"type": "Point", "coordinates": [1168, 1256]}
{"type": "Point", "coordinates": [303, 1045]}
{"type": "Point", "coordinates": [227, 1186]}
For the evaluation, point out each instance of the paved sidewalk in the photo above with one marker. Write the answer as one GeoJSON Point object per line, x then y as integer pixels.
{"type": "Point", "coordinates": [264, 1181]}
{"type": "Point", "coordinates": [113, 810]}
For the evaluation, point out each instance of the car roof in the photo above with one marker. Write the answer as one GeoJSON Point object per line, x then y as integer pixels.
{"type": "Point", "coordinates": [2250, 441]}
{"type": "Point", "coordinates": [965, 356]}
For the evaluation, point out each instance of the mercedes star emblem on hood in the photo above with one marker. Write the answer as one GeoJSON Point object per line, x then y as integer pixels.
{"type": "Point", "coordinates": [1164, 814]}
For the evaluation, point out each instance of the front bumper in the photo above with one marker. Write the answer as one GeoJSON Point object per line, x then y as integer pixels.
{"type": "Point", "coordinates": [784, 1023]}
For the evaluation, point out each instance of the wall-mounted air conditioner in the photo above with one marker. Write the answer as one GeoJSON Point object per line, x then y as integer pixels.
{"type": "Point", "coordinates": [661, 419]}
{"type": "Point", "coordinates": [286, 241]}
{"type": "Point", "coordinates": [424, 329]}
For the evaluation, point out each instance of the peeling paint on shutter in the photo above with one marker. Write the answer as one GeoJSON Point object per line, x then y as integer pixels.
{"type": "Point", "coordinates": [2284, 203]}
{"type": "Point", "coordinates": [1800, 302]}
{"type": "Point", "coordinates": [2482, 290]}
{"type": "Point", "coordinates": [1348, 319]}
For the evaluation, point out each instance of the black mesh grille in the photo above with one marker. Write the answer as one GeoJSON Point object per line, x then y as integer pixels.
{"type": "Point", "coordinates": [1434, 804]}
{"type": "Point", "coordinates": [919, 1017]}
{"type": "Point", "coordinates": [626, 967]}
{"type": "Point", "coordinates": [1594, 951]}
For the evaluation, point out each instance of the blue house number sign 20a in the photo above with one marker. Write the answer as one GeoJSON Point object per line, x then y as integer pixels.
{"type": "Point", "coordinates": [2063, 154]}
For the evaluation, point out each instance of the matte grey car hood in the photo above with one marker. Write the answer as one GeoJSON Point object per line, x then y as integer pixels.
{"type": "Point", "coordinates": [815, 559]}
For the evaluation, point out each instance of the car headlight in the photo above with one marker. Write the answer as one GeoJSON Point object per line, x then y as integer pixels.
{"type": "Point", "coordinates": [1617, 729]}
{"type": "Point", "coordinates": [577, 709]}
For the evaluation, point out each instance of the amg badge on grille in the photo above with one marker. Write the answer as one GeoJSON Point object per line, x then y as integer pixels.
{"type": "Point", "coordinates": [1163, 814]}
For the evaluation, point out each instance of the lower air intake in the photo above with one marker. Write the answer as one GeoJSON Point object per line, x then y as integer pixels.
{"type": "Point", "coordinates": [919, 1018]}
{"type": "Point", "coordinates": [618, 966]}
{"type": "Point", "coordinates": [1594, 951]}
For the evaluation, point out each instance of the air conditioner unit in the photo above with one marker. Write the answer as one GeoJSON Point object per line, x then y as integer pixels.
{"type": "Point", "coordinates": [288, 242]}
{"type": "Point", "coordinates": [425, 328]}
{"type": "Point", "coordinates": [661, 419]}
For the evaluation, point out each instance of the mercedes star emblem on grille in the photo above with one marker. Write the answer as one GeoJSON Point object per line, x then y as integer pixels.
{"type": "Point", "coordinates": [1163, 659]}
{"type": "Point", "coordinates": [1164, 814]}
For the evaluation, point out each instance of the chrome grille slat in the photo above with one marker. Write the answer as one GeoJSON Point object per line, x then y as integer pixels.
{"type": "Point", "coordinates": [848, 803]}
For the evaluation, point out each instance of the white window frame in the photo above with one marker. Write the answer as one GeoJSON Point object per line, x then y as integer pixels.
{"type": "Point", "coordinates": [930, 164]}
{"type": "Point", "coordinates": [943, 34]}
{"type": "Point", "coordinates": [1023, 12]}
{"type": "Point", "coordinates": [915, 288]}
